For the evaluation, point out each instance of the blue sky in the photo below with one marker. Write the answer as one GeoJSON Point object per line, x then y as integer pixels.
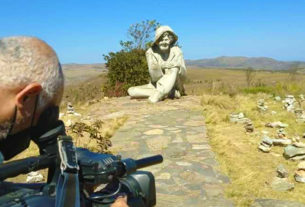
{"type": "Point", "coordinates": [82, 31]}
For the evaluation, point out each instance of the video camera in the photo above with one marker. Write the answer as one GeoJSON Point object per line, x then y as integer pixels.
{"type": "Point", "coordinates": [74, 173]}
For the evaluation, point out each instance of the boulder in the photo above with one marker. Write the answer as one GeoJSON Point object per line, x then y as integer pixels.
{"type": "Point", "coordinates": [292, 151]}
{"type": "Point", "coordinates": [281, 184]}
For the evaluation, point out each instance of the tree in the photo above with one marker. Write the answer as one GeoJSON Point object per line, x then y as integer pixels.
{"type": "Point", "coordinates": [128, 67]}
{"type": "Point", "coordinates": [293, 71]}
{"type": "Point", "coordinates": [140, 35]}
{"type": "Point", "coordinates": [250, 75]}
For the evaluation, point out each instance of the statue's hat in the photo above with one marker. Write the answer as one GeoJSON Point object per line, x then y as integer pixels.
{"type": "Point", "coordinates": [161, 30]}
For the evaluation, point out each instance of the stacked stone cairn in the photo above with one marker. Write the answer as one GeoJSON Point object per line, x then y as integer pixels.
{"type": "Point", "coordinates": [281, 139]}
{"type": "Point", "coordinates": [261, 105]}
{"type": "Point", "coordinates": [281, 133]}
{"type": "Point", "coordinates": [266, 144]}
{"type": "Point", "coordinates": [249, 126]}
{"type": "Point", "coordinates": [281, 171]}
{"type": "Point", "coordinates": [70, 110]}
{"type": "Point", "coordinates": [289, 103]}
{"type": "Point", "coordinates": [300, 115]}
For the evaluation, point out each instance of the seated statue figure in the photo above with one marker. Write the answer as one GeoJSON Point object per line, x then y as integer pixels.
{"type": "Point", "coordinates": [166, 68]}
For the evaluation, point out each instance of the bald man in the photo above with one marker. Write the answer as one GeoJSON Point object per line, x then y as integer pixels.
{"type": "Point", "coordinates": [31, 81]}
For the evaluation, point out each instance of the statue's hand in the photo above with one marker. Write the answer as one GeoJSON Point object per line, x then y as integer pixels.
{"type": "Point", "coordinates": [167, 65]}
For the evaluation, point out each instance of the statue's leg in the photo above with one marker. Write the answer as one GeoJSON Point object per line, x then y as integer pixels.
{"type": "Point", "coordinates": [180, 85]}
{"type": "Point", "coordinates": [143, 91]}
{"type": "Point", "coordinates": [165, 85]}
{"type": "Point", "coordinates": [167, 82]}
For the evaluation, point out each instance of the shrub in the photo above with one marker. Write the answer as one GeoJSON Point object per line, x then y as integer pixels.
{"type": "Point", "coordinates": [258, 89]}
{"type": "Point", "coordinates": [125, 69]}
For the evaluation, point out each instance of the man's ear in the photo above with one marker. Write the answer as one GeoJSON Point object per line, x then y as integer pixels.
{"type": "Point", "coordinates": [26, 93]}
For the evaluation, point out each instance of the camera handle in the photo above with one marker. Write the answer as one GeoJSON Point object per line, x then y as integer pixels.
{"type": "Point", "coordinates": [67, 189]}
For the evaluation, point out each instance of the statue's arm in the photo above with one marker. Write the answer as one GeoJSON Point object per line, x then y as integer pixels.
{"type": "Point", "coordinates": [178, 61]}
{"type": "Point", "coordinates": [182, 70]}
{"type": "Point", "coordinates": [152, 61]}
{"type": "Point", "coordinates": [153, 66]}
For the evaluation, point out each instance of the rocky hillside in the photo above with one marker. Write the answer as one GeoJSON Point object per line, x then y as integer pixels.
{"type": "Point", "coordinates": [240, 62]}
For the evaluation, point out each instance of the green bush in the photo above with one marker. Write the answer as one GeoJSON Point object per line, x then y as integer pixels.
{"type": "Point", "coordinates": [125, 69]}
{"type": "Point", "coordinates": [258, 89]}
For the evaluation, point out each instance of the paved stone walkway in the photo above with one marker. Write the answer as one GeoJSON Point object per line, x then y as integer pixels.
{"type": "Point", "coordinates": [189, 175]}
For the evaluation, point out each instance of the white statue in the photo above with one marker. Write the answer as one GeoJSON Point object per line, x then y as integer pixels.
{"type": "Point", "coordinates": [166, 68]}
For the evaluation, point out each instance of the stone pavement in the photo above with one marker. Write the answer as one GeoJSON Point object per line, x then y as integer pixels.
{"type": "Point", "coordinates": [189, 175]}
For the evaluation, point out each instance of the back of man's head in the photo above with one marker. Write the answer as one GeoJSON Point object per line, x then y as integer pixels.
{"type": "Point", "coordinates": [25, 60]}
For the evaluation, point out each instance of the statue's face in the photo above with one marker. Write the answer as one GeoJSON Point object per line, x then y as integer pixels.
{"type": "Point", "coordinates": [165, 41]}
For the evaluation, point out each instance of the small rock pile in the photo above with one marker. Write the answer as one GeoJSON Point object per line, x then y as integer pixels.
{"type": "Point", "coordinates": [249, 126]}
{"type": "Point", "coordinates": [70, 110]}
{"type": "Point", "coordinates": [289, 102]}
{"type": "Point", "coordinates": [261, 105]}
{"type": "Point", "coordinates": [280, 182]}
{"type": "Point", "coordinates": [238, 118]}
{"type": "Point", "coordinates": [300, 115]}
{"type": "Point", "coordinates": [299, 175]}
{"type": "Point", "coordinates": [281, 133]}
{"type": "Point", "coordinates": [281, 171]}
{"type": "Point", "coordinates": [266, 144]}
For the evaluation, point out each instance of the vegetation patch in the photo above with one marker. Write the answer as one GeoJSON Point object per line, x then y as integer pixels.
{"type": "Point", "coordinates": [250, 170]}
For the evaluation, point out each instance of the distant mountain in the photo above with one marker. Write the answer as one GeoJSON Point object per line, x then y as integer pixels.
{"type": "Point", "coordinates": [239, 62]}
{"type": "Point", "coordinates": [71, 66]}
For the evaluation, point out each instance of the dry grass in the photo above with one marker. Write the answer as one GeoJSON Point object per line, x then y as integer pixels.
{"type": "Point", "coordinates": [250, 170]}
{"type": "Point", "coordinates": [96, 139]}
{"type": "Point", "coordinates": [225, 91]}
{"type": "Point", "coordinates": [232, 82]}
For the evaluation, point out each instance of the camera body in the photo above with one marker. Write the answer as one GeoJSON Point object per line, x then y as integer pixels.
{"type": "Point", "coordinates": [139, 188]}
{"type": "Point", "coordinates": [71, 169]}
